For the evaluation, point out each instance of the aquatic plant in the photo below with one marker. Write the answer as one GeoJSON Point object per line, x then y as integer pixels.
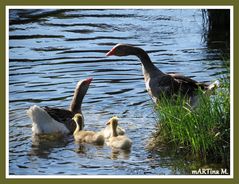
{"type": "Point", "coordinates": [203, 131]}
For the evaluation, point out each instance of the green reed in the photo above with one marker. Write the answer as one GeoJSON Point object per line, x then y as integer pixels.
{"type": "Point", "coordinates": [202, 131]}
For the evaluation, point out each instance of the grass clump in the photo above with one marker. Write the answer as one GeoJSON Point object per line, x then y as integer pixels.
{"type": "Point", "coordinates": [203, 131]}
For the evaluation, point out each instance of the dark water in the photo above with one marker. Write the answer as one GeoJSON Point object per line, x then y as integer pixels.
{"type": "Point", "coordinates": [50, 50]}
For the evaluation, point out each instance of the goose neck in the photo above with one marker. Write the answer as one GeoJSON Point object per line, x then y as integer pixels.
{"type": "Point", "coordinates": [76, 102]}
{"type": "Point", "coordinates": [147, 64]}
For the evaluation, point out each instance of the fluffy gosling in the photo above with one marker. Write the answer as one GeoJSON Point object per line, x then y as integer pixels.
{"type": "Point", "coordinates": [86, 136]}
{"type": "Point", "coordinates": [115, 140]}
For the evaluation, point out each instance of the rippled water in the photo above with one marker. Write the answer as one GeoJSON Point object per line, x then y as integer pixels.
{"type": "Point", "coordinates": [51, 50]}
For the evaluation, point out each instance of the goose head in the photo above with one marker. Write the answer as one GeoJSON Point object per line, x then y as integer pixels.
{"type": "Point", "coordinates": [121, 50]}
{"type": "Point", "coordinates": [82, 86]}
{"type": "Point", "coordinates": [78, 119]}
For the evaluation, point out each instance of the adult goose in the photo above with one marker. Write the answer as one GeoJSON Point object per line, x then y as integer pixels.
{"type": "Point", "coordinates": [157, 82]}
{"type": "Point", "coordinates": [47, 120]}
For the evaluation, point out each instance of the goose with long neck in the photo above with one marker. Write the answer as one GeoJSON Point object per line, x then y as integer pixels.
{"type": "Point", "coordinates": [83, 136]}
{"type": "Point", "coordinates": [47, 120]}
{"type": "Point", "coordinates": [157, 82]}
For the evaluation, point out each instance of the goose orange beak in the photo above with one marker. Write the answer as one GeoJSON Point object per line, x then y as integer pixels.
{"type": "Point", "coordinates": [110, 53]}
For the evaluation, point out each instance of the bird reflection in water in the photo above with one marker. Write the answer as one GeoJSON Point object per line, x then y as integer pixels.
{"type": "Point", "coordinates": [43, 144]}
{"type": "Point", "coordinates": [81, 149]}
{"type": "Point", "coordinates": [120, 154]}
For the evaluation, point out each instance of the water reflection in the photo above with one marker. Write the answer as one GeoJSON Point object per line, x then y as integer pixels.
{"type": "Point", "coordinates": [42, 145]}
{"type": "Point", "coordinates": [81, 149]}
{"type": "Point", "coordinates": [120, 154]}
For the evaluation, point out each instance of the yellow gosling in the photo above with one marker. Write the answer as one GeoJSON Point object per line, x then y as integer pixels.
{"type": "Point", "coordinates": [115, 140]}
{"type": "Point", "coordinates": [86, 136]}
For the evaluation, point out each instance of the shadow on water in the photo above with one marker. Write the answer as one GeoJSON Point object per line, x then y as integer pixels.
{"type": "Point", "coordinates": [217, 31]}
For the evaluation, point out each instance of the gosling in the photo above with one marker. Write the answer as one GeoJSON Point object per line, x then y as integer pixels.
{"type": "Point", "coordinates": [115, 140]}
{"type": "Point", "coordinates": [86, 136]}
{"type": "Point", "coordinates": [107, 131]}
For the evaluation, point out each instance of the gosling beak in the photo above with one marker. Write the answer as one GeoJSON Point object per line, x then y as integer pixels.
{"type": "Point", "coordinates": [107, 123]}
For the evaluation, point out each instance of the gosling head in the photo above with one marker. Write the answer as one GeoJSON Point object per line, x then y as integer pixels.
{"type": "Point", "coordinates": [78, 118]}
{"type": "Point", "coordinates": [113, 121]}
{"type": "Point", "coordinates": [120, 50]}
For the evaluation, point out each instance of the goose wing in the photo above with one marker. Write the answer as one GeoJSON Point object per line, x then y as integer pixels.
{"type": "Point", "coordinates": [170, 84]}
{"type": "Point", "coordinates": [183, 80]}
{"type": "Point", "coordinates": [62, 116]}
